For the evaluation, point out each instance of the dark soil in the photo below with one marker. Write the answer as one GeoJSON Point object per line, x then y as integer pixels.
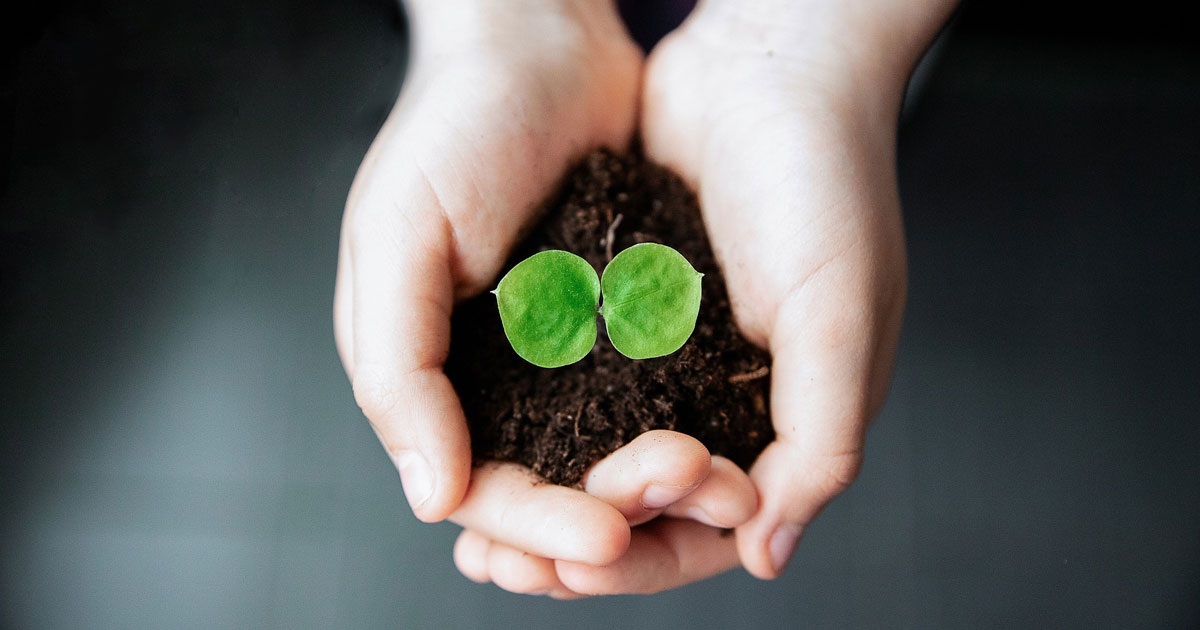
{"type": "Point", "coordinates": [560, 421]}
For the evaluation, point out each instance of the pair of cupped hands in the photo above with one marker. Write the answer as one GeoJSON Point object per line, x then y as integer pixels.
{"type": "Point", "coordinates": [783, 122]}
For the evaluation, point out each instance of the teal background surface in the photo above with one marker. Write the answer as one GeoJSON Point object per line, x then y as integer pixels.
{"type": "Point", "coordinates": [179, 447]}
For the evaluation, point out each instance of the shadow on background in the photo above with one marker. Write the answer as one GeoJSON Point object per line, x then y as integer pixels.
{"type": "Point", "coordinates": [179, 447]}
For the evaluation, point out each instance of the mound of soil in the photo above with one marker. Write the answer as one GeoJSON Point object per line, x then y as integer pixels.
{"type": "Point", "coordinates": [560, 421]}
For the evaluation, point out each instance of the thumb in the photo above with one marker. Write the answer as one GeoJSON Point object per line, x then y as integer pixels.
{"type": "Point", "coordinates": [794, 486]}
{"type": "Point", "coordinates": [403, 293]}
{"type": "Point", "coordinates": [831, 361]}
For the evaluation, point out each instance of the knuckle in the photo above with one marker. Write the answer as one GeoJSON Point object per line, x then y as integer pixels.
{"type": "Point", "coordinates": [379, 232]}
{"type": "Point", "coordinates": [840, 472]}
{"type": "Point", "coordinates": [363, 220]}
{"type": "Point", "coordinates": [580, 578]}
{"type": "Point", "coordinates": [515, 571]}
{"type": "Point", "coordinates": [506, 577]}
{"type": "Point", "coordinates": [375, 393]}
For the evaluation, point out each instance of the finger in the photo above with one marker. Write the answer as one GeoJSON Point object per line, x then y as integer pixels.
{"type": "Point", "coordinates": [727, 498]}
{"type": "Point", "coordinates": [403, 294]}
{"type": "Point", "coordinates": [482, 561]}
{"type": "Point", "coordinates": [470, 556]}
{"type": "Point", "coordinates": [649, 473]}
{"type": "Point", "coordinates": [824, 391]}
{"type": "Point", "coordinates": [508, 504]}
{"type": "Point", "coordinates": [662, 555]}
{"type": "Point", "coordinates": [519, 572]}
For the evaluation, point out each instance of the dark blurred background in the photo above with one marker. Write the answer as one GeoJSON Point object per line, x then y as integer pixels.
{"type": "Point", "coordinates": [180, 449]}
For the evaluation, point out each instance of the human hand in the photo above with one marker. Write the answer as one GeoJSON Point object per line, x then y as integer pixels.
{"type": "Point", "coordinates": [784, 121]}
{"type": "Point", "coordinates": [488, 121]}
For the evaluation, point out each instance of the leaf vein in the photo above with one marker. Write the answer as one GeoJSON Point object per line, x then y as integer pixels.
{"type": "Point", "coordinates": [639, 296]}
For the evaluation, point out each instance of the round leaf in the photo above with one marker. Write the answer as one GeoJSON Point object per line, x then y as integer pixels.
{"type": "Point", "coordinates": [651, 299]}
{"type": "Point", "coordinates": [548, 308]}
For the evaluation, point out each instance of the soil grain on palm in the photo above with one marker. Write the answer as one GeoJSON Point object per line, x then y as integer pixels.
{"type": "Point", "coordinates": [560, 421]}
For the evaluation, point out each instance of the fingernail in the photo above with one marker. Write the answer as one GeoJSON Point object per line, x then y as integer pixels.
{"type": "Point", "coordinates": [657, 497]}
{"type": "Point", "coordinates": [783, 544]}
{"type": "Point", "coordinates": [415, 476]}
{"type": "Point", "coordinates": [697, 514]}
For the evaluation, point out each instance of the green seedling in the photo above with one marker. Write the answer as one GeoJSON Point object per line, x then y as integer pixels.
{"type": "Point", "coordinates": [549, 302]}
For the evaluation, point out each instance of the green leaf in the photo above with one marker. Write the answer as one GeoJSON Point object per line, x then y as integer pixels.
{"type": "Point", "coordinates": [651, 299]}
{"type": "Point", "coordinates": [548, 308]}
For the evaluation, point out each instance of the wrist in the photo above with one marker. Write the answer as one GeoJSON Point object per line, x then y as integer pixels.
{"type": "Point", "coordinates": [861, 49]}
{"type": "Point", "coordinates": [441, 27]}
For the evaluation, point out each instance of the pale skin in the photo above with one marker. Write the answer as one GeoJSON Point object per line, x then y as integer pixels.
{"type": "Point", "coordinates": [783, 119]}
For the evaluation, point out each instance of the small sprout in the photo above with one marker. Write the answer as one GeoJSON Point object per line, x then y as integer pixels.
{"type": "Point", "coordinates": [548, 304]}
